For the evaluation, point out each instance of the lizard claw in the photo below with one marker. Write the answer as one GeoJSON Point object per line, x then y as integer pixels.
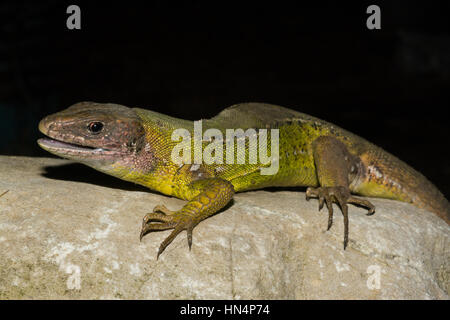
{"type": "Point", "coordinates": [342, 197]}
{"type": "Point", "coordinates": [166, 219]}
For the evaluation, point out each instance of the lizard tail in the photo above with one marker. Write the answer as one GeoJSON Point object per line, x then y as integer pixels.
{"type": "Point", "coordinates": [433, 200]}
{"type": "Point", "coordinates": [395, 179]}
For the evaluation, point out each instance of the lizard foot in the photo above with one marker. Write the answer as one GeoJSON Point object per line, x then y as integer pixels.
{"type": "Point", "coordinates": [341, 196]}
{"type": "Point", "coordinates": [163, 219]}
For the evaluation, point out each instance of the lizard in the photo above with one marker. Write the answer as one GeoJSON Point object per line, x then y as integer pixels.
{"type": "Point", "coordinates": [136, 145]}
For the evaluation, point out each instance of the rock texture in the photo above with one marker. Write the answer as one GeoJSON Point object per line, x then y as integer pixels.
{"type": "Point", "coordinates": [68, 232]}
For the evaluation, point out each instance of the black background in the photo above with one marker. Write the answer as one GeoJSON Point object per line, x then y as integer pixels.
{"type": "Point", "coordinates": [192, 59]}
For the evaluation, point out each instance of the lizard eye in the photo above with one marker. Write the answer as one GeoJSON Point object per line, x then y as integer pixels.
{"type": "Point", "coordinates": [95, 127]}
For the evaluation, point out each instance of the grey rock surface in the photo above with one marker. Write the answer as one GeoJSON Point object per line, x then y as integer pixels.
{"type": "Point", "coordinates": [64, 235]}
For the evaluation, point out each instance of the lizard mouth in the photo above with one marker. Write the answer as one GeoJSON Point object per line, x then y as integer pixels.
{"type": "Point", "coordinates": [61, 146]}
{"type": "Point", "coordinates": [77, 152]}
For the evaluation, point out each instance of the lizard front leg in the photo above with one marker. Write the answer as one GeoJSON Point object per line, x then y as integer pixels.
{"type": "Point", "coordinates": [210, 195]}
{"type": "Point", "coordinates": [334, 164]}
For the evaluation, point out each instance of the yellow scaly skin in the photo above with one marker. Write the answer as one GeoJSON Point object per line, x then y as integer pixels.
{"type": "Point", "coordinates": [135, 145]}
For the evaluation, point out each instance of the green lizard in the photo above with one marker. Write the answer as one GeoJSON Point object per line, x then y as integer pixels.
{"type": "Point", "coordinates": [136, 145]}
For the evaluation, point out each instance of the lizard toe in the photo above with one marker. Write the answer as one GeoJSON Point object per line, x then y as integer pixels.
{"type": "Point", "coordinates": [363, 203]}
{"type": "Point", "coordinates": [342, 197]}
{"type": "Point", "coordinates": [178, 221]}
{"type": "Point", "coordinates": [186, 223]}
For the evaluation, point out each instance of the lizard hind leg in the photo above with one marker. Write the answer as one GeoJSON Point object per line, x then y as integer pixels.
{"type": "Point", "coordinates": [334, 164]}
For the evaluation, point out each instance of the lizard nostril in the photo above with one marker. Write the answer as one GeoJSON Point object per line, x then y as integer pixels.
{"type": "Point", "coordinates": [44, 125]}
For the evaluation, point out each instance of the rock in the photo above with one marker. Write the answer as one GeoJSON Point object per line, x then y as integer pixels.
{"type": "Point", "coordinates": [69, 232]}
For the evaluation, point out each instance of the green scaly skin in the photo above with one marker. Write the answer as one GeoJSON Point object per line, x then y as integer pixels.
{"type": "Point", "coordinates": [135, 145]}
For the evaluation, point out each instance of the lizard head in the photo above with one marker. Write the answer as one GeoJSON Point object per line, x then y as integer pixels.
{"type": "Point", "coordinates": [99, 135]}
